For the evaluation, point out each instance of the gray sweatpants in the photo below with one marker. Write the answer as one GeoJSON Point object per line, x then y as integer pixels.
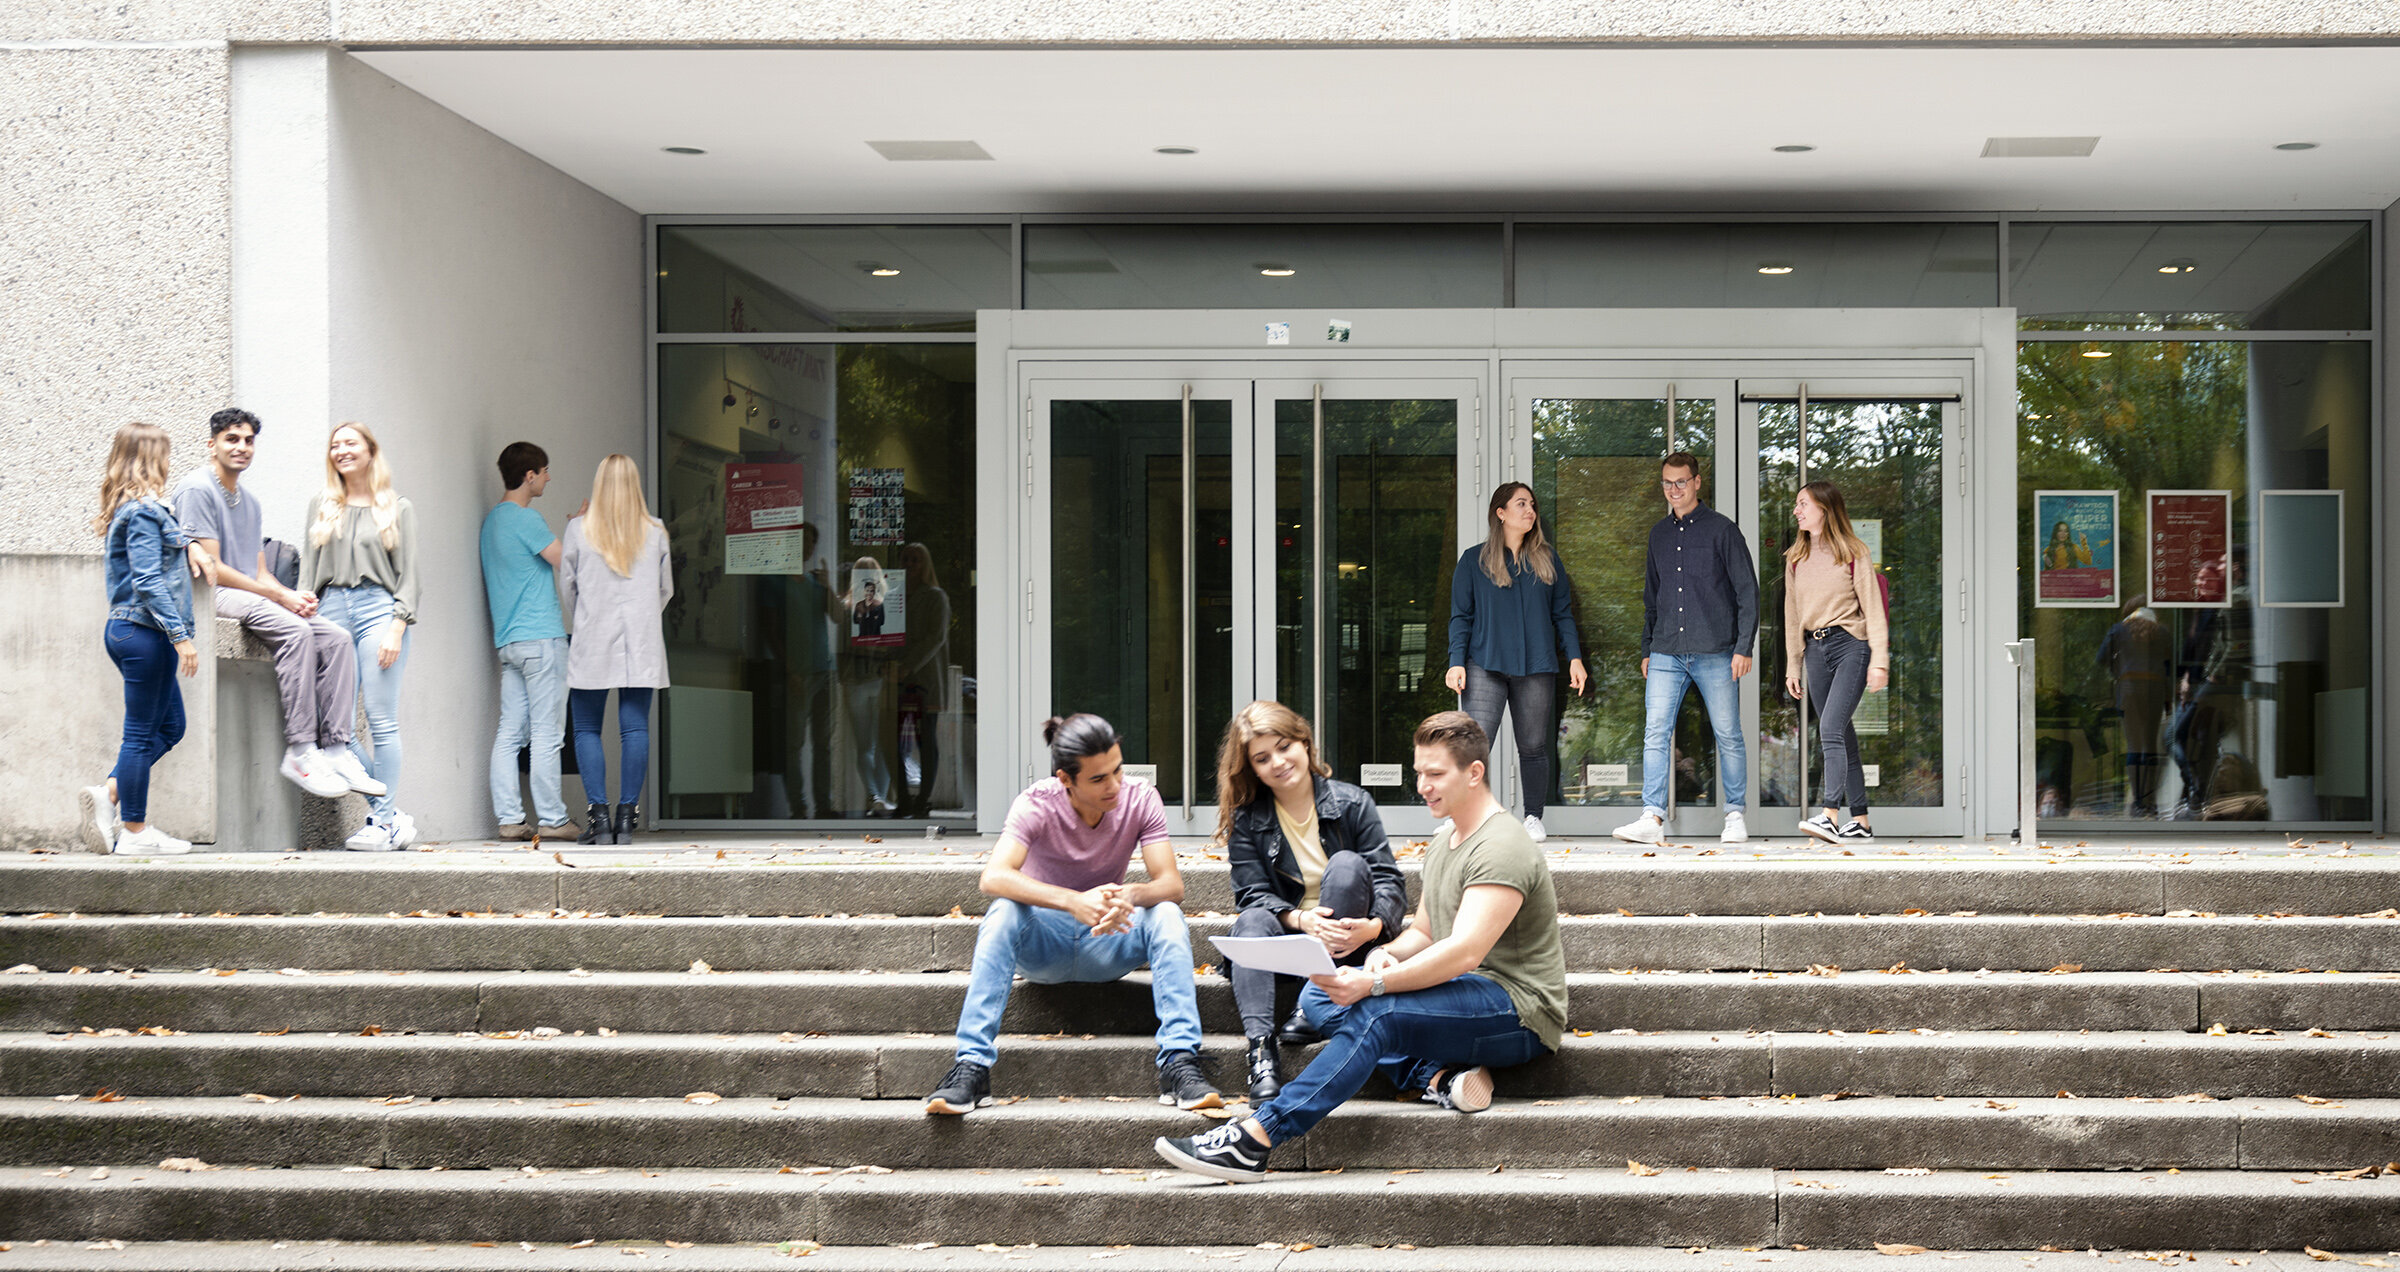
{"type": "Point", "coordinates": [316, 671]}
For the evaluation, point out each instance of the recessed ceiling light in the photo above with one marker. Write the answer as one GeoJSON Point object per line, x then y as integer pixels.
{"type": "Point", "coordinates": [1774, 268]}
{"type": "Point", "coordinates": [1793, 150]}
{"type": "Point", "coordinates": [2178, 267]}
{"type": "Point", "coordinates": [1177, 150]}
{"type": "Point", "coordinates": [1277, 271]}
{"type": "Point", "coordinates": [2039, 147]}
{"type": "Point", "coordinates": [879, 269]}
{"type": "Point", "coordinates": [2098, 353]}
{"type": "Point", "coordinates": [683, 150]}
{"type": "Point", "coordinates": [916, 151]}
{"type": "Point", "coordinates": [2295, 145]}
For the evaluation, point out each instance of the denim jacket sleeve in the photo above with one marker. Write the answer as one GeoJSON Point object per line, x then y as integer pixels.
{"type": "Point", "coordinates": [153, 551]}
{"type": "Point", "coordinates": [1364, 825]}
{"type": "Point", "coordinates": [1247, 850]}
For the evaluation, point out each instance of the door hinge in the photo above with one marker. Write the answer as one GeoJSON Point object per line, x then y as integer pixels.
{"type": "Point", "coordinates": [1029, 602]}
{"type": "Point", "coordinates": [1478, 419]}
{"type": "Point", "coordinates": [1962, 600]}
{"type": "Point", "coordinates": [1029, 446]}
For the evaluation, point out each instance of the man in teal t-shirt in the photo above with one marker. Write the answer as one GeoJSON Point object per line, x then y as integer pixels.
{"type": "Point", "coordinates": [519, 579]}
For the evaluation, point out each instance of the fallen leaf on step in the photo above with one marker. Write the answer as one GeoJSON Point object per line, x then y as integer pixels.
{"type": "Point", "coordinates": [1042, 1181]}
{"type": "Point", "coordinates": [2064, 969]}
{"type": "Point", "coordinates": [1823, 969]}
{"type": "Point", "coordinates": [958, 912]}
{"type": "Point", "coordinates": [1896, 1247]}
{"type": "Point", "coordinates": [105, 1096]}
{"type": "Point", "coordinates": [1907, 1170]}
{"type": "Point", "coordinates": [1623, 911]}
{"type": "Point", "coordinates": [2218, 1030]}
{"type": "Point", "coordinates": [185, 1163]}
{"type": "Point", "coordinates": [704, 1097]}
{"type": "Point", "coordinates": [98, 1172]}
{"type": "Point", "coordinates": [2002, 1105]}
{"type": "Point", "coordinates": [1633, 1167]}
{"type": "Point", "coordinates": [864, 1170]}
{"type": "Point", "coordinates": [797, 1249]}
{"type": "Point", "coordinates": [22, 969]}
{"type": "Point", "coordinates": [2319, 1101]}
{"type": "Point", "coordinates": [585, 1244]}
{"type": "Point", "coordinates": [2363, 1172]}
{"type": "Point", "coordinates": [672, 1244]}
{"type": "Point", "coordinates": [699, 968]}
{"type": "Point", "coordinates": [2321, 1256]}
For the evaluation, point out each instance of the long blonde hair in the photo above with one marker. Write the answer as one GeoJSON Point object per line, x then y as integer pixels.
{"type": "Point", "coordinates": [1534, 550]}
{"type": "Point", "coordinates": [620, 519]}
{"type": "Point", "coordinates": [1847, 546]}
{"type": "Point", "coordinates": [382, 504]}
{"type": "Point", "coordinates": [1237, 782]}
{"type": "Point", "coordinates": [137, 469]}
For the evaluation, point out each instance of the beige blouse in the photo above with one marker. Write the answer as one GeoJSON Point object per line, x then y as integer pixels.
{"type": "Point", "coordinates": [1821, 592]}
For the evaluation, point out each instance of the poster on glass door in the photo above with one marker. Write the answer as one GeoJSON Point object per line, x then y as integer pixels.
{"type": "Point", "coordinates": [2191, 538]}
{"type": "Point", "coordinates": [763, 515]}
{"type": "Point", "coordinates": [2075, 549]}
{"type": "Point", "coordinates": [877, 602]}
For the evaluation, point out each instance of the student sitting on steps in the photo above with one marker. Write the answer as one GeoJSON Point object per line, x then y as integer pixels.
{"type": "Point", "coordinates": [1061, 911]}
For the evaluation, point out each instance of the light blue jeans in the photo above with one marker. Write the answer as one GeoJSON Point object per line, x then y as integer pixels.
{"type": "Point", "coordinates": [1050, 947]}
{"type": "Point", "coordinates": [1662, 700]}
{"type": "Point", "coordinates": [363, 612]}
{"type": "Point", "coordinates": [533, 696]}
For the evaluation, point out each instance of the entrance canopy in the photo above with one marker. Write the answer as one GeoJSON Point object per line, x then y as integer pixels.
{"type": "Point", "coordinates": [1430, 129]}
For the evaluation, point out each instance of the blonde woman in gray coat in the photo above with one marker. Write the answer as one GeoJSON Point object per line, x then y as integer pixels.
{"type": "Point", "coordinates": [614, 582]}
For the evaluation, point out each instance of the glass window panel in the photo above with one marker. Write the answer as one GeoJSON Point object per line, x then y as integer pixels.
{"type": "Point", "coordinates": [827, 671]}
{"type": "Point", "coordinates": [1886, 459]}
{"type": "Point", "coordinates": [2190, 275]}
{"type": "Point", "coordinates": [1720, 265]}
{"type": "Point", "coordinates": [2238, 713]}
{"type": "Point", "coordinates": [825, 277]}
{"type": "Point", "coordinates": [1595, 478]}
{"type": "Point", "coordinates": [1391, 498]}
{"type": "Point", "coordinates": [1218, 266]}
{"type": "Point", "coordinates": [1117, 613]}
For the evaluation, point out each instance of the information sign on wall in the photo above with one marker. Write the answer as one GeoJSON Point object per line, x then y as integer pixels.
{"type": "Point", "coordinates": [2191, 537]}
{"type": "Point", "coordinates": [763, 515]}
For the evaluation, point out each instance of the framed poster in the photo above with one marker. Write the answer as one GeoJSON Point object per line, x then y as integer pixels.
{"type": "Point", "coordinates": [2191, 542]}
{"type": "Point", "coordinates": [763, 514]}
{"type": "Point", "coordinates": [2301, 560]}
{"type": "Point", "coordinates": [2075, 549]}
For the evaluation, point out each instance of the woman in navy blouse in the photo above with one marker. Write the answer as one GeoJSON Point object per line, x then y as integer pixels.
{"type": "Point", "coordinates": [1511, 614]}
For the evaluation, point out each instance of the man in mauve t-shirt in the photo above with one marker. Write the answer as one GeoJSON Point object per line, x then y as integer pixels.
{"type": "Point", "coordinates": [1062, 911]}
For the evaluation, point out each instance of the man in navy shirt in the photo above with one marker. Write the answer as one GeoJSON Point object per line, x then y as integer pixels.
{"type": "Point", "coordinates": [1699, 624]}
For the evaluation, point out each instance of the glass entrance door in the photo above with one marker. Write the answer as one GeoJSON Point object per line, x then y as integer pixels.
{"type": "Point", "coordinates": [1589, 441]}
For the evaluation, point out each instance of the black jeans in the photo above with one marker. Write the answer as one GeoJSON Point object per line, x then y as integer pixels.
{"type": "Point", "coordinates": [1532, 703]}
{"type": "Point", "coordinates": [1348, 890]}
{"type": "Point", "coordinates": [1837, 678]}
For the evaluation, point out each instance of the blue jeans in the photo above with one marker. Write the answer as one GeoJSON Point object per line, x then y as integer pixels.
{"type": "Point", "coordinates": [1051, 947]}
{"type": "Point", "coordinates": [363, 612]}
{"type": "Point", "coordinates": [586, 708]}
{"type": "Point", "coordinates": [533, 690]}
{"type": "Point", "coordinates": [1671, 675]}
{"type": "Point", "coordinates": [153, 709]}
{"type": "Point", "coordinates": [1410, 1036]}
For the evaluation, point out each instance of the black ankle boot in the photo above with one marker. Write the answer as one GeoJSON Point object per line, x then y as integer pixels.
{"type": "Point", "coordinates": [1297, 1032]}
{"type": "Point", "coordinates": [595, 826]}
{"type": "Point", "coordinates": [629, 820]}
{"type": "Point", "coordinates": [1265, 1081]}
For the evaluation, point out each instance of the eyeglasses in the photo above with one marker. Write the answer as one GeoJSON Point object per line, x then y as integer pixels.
{"type": "Point", "coordinates": [1678, 486]}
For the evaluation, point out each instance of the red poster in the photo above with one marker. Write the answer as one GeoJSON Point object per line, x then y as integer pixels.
{"type": "Point", "coordinates": [2190, 534]}
{"type": "Point", "coordinates": [763, 514]}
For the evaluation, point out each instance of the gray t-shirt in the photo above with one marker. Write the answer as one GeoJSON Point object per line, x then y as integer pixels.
{"type": "Point", "coordinates": [201, 505]}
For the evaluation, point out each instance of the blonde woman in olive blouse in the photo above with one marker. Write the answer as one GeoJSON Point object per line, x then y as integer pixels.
{"type": "Point", "coordinates": [360, 558]}
{"type": "Point", "coordinates": [1835, 626]}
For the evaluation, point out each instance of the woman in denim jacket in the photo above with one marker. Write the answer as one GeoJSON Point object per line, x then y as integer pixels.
{"type": "Point", "coordinates": [149, 637]}
{"type": "Point", "coordinates": [1308, 855]}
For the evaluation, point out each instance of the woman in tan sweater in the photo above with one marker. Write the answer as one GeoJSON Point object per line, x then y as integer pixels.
{"type": "Point", "coordinates": [1834, 624]}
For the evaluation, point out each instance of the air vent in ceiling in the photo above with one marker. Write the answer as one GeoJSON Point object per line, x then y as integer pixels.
{"type": "Point", "coordinates": [899, 151]}
{"type": "Point", "coordinates": [2039, 147]}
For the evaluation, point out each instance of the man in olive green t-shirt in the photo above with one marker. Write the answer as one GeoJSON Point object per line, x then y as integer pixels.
{"type": "Point", "coordinates": [1478, 979]}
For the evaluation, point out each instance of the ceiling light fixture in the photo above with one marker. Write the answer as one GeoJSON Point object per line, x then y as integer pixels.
{"type": "Point", "coordinates": [2295, 145]}
{"type": "Point", "coordinates": [1793, 150]}
{"type": "Point", "coordinates": [878, 269]}
{"type": "Point", "coordinates": [2179, 266]}
{"type": "Point", "coordinates": [1176, 150]}
{"type": "Point", "coordinates": [683, 150]}
{"type": "Point", "coordinates": [2098, 353]}
{"type": "Point", "coordinates": [1774, 268]}
{"type": "Point", "coordinates": [1277, 271]}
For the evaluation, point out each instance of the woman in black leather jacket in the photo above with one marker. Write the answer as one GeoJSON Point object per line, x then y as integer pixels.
{"type": "Point", "coordinates": [1308, 854]}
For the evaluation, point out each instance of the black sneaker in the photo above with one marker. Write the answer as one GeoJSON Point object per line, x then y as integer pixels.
{"type": "Point", "coordinates": [1226, 1153]}
{"type": "Point", "coordinates": [1855, 831]}
{"type": "Point", "coordinates": [1266, 1078]}
{"type": "Point", "coordinates": [1821, 827]}
{"type": "Point", "coordinates": [966, 1088]}
{"type": "Point", "coordinates": [1463, 1091]}
{"type": "Point", "coordinates": [1181, 1084]}
{"type": "Point", "coordinates": [1297, 1032]}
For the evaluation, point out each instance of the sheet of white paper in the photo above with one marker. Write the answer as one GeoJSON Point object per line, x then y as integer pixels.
{"type": "Point", "coordinates": [1293, 955]}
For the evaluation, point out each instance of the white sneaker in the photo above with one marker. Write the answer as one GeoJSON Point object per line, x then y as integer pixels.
{"type": "Point", "coordinates": [150, 841]}
{"type": "Point", "coordinates": [1737, 831]}
{"type": "Point", "coordinates": [370, 838]}
{"type": "Point", "coordinates": [313, 772]}
{"type": "Point", "coordinates": [1533, 827]}
{"type": "Point", "coordinates": [353, 774]}
{"type": "Point", "coordinates": [1644, 829]}
{"type": "Point", "coordinates": [99, 826]}
{"type": "Point", "coordinates": [404, 830]}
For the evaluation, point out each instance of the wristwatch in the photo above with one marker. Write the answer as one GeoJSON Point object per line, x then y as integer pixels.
{"type": "Point", "coordinates": [1375, 985]}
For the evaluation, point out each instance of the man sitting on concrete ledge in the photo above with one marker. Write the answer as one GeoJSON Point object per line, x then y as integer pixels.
{"type": "Point", "coordinates": [1061, 912]}
{"type": "Point", "coordinates": [1478, 979]}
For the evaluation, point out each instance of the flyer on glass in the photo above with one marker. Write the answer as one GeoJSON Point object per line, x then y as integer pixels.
{"type": "Point", "coordinates": [2075, 549]}
{"type": "Point", "coordinates": [878, 605]}
{"type": "Point", "coordinates": [763, 515]}
{"type": "Point", "coordinates": [2191, 535]}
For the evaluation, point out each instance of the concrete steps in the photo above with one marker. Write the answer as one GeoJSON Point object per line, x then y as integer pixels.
{"type": "Point", "coordinates": [2019, 1026]}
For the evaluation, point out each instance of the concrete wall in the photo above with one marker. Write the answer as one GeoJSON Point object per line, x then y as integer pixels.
{"type": "Point", "coordinates": [479, 297]}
